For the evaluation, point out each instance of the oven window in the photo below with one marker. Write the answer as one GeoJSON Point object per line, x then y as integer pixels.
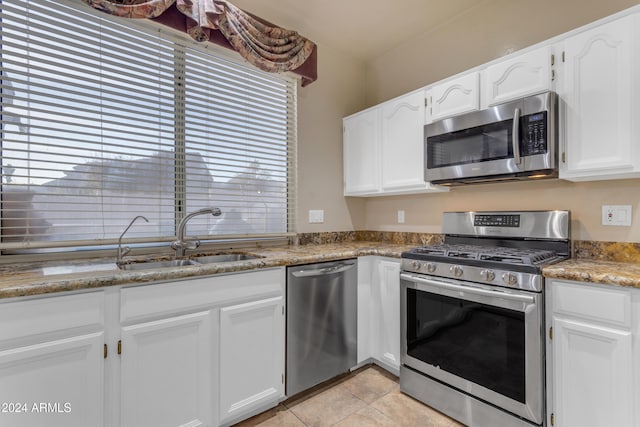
{"type": "Point", "coordinates": [477, 342]}
{"type": "Point", "coordinates": [479, 144]}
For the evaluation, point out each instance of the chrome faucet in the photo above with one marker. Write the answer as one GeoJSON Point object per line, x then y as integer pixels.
{"type": "Point", "coordinates": [123, 251]}
{"type": "Point", "coordinates": [181, 245]}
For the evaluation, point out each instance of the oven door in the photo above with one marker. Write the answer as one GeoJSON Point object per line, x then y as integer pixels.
{"type": "Point", "coordinates": [484, 341]}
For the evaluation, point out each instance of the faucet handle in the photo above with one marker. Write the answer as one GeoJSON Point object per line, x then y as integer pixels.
{"type": "Point", "coordinates": [192, 244]}
{"type": "Point", "coordinates": [186, 244]}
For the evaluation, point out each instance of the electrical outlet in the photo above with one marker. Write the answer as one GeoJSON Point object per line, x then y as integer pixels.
{"type": "Point", "coordinates": [400, 217]}
{"type": "Point", "coordinates": [616, 215]}
{"type": "Point", "coordinates": [316, 216]}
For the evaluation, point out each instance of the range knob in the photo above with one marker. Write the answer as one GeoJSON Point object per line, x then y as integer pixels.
{"type": "Point", "coordinates": [510, 278]}
{"type": "Point", "coordinates": [456, 270]}
{"type": "Point", "coordinates": [488, 275]}
{"type": "Point", "coordinates": [415, 265]}
{"type": "Point", "coordinates": [431, 267]}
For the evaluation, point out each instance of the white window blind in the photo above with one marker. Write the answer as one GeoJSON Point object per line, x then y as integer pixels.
{"type": "Point", "coordinates": [103, 120]}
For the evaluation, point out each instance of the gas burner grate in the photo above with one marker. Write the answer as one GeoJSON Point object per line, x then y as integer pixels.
{"type": "Point", "coordinates": [488, 253]}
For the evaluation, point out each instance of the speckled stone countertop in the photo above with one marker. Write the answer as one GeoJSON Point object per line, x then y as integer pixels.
{"type": "Point", "coordinates": [609, 263]}
{"type": "Point", "coordinates": [596, 271]}
{"type": "Point", "coordinates": [26, 279]}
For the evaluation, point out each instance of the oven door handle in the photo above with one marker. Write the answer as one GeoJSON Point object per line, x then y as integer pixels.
{"type": "Point", "coordinates": [468, 289]}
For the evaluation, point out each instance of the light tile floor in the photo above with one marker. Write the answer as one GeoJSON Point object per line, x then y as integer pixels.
{"type": "Point", "coordinates": [368, 397]}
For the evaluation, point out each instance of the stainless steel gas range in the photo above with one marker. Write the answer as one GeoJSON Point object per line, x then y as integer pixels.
{"type": "Point", "coordinates": [473, 316]}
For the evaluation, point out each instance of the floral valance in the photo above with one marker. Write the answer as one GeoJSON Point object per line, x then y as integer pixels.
{"type": "Point", "coordinates": [262, 44]}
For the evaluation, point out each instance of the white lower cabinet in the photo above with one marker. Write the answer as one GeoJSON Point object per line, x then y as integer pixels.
{"type": "Point", "coordinates": [379, 311]}
{"type": "Point", "coordinates": [167, 372]}
{"type": "Point", "coordinates": [251, 357]}
{"type": "Point", "coordinates": [591, 361]}
{"type": "Point", "coordinates": [197, 352]}
{"type": "Point", "coordinates": [366, 341]}
{"type": "Point", "coordinates": [204, 351]}
{"type": "Point", "coordinates": [387, 301]}
{"type": "Point", "coordinates": [52, 361]}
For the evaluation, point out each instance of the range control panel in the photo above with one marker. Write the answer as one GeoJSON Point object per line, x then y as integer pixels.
{"type": "Point", "coordinates": [493, 220]}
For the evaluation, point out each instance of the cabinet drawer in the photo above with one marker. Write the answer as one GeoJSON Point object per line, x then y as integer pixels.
{"type": "Point", "coordinates": [26, 322]}
{"type": "Point", "coordinates": [599, 303]}
{"type": "Point", "coordinates": [141, 303]}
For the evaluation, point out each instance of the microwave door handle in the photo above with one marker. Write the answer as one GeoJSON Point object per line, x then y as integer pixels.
{"type": "Point", "coordinates": [515, 136]}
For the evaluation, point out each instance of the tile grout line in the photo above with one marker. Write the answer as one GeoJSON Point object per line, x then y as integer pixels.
{"type": "Point", "coordinates": [365, 404]}
{"type": "Point", "coordinates": [346, 385]}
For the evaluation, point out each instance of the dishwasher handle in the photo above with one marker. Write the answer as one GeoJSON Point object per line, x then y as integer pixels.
{"type": "Point", "coordinates": [336, 268]}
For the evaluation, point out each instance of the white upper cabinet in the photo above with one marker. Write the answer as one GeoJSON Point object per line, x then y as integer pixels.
{"type": "Point", "coordinates": [594, 70]}
{"type": "Point", "coordinates": [361, 147]}
{"type": "Point", "coordinates": [600, 97]}
{"type": "Point", "coordinates": [456, 96]}
{"type": "Point", "coordinates": [402, 142]}
{"type": "Point", "coordinates": [517, 77]}
{"type": "Point", "coordinates": [383, 149]}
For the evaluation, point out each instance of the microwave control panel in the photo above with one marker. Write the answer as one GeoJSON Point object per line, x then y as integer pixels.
{"type": "Point", "coordinates": [533, 134]}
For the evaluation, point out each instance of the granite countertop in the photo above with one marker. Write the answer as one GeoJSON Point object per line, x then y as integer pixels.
{"type": "Point", "coordinates": [596, 271]}
{"type": "Point", "coordinates": [24, 279]}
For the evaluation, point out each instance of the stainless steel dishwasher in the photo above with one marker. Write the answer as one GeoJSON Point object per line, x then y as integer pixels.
{"type": "Point", "coordinates": [321, 322]}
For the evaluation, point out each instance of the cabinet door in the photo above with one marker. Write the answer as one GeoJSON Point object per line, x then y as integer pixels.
{"type": "Point", "coordinates": [54, 384]}
{"type": "Point", "coordinates": [389, 326]}
{"type": "Point", "coordinates": [599, 94]}
{"type": "Point", "coordinates": [402, 142]}
{"type": "Point", "coordinates": [167, 372]}
{"type": "Point", "coordinates": [367, 332]}
{"type": "Point", "coordinates": [361, 145]}
{"type": "Point", "coordinates": [251, 357]}
{"type": "Point", "coordinates": [592, 375]}
{"type": "Point", "coordinates": [457, 96]}
{"type": "Point", "coordinates": [523, 75]}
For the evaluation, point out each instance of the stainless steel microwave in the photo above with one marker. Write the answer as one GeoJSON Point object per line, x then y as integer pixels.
{"type": "Point", "coordinates": [511, 141]}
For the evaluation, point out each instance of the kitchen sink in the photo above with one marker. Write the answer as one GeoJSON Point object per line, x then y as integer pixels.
{"type": "Point", "coordinates": [147, 265]}
{"type": "Point", "coordinates": [210, 259]}
{"type": "Point", "coordinates": [198, 260]}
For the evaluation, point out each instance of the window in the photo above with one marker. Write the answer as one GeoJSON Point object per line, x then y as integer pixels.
{"type": "Point", "coordinates": [104, 119]}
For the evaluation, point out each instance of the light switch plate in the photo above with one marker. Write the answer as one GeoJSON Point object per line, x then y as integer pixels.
{"type": "Point", "coordinates": [400, 217]}
{"type": "Point", "coordinates": [616, 215]}
{"type": "Point", "coordinates": [316, 216]}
